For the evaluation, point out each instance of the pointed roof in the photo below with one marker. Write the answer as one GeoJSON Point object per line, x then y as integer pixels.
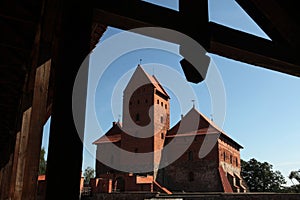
{"type": "Point", "coordinates": [140, 77]}
{"type": "Point", "coordinates": [196, 123]}
{"type": "Point", "coordinates": [112, 135]}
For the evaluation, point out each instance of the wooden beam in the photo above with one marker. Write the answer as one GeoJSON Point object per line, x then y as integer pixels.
{"type": "Point", "coordinates": [21, 156]}
{"type": "Point", "coordinates": [254, 50]}
{"type": "Point", "coordinates": [278, 23]}
{"type": "Point", "coordinates": [17, 35]}
{"type": "Point", "coordinates": [39, 109]}
{"type": "Point", "coordinates": [136, 14]}
{"type": "Point", "coordinates": [65, 146]}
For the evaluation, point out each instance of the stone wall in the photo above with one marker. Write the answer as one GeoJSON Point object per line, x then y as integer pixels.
{"type": "Point", "coordinates": [193, 196]}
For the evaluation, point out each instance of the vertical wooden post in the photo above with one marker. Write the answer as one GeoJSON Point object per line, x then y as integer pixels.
{"type": "Point", "coordinates": [39, 108]}
{"type": "Point", "coordinates": [64, 160]}
{"type": "Point", "coordinates": [21, 155]}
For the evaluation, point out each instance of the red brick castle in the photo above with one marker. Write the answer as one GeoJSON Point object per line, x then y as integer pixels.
{"type": "Point", "coordinates": [146, 105]}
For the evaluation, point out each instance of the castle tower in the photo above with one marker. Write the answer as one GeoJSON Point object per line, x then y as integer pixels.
{"type": "Point", "coordinates": [146, 119]}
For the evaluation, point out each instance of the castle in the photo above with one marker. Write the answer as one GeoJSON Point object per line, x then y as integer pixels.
{"type": "Point", "coordinates": [192, 156]}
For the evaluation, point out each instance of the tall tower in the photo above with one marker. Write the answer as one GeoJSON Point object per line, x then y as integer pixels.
{"type": "Point", "coordinates": [146, 119]}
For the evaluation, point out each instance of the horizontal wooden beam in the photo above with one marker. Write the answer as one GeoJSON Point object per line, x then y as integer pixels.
{"type": "Point", "coordinates": [254, 50]}
{"type": "Point", "coordinates": [222, 40]}
{"type": "Point", "coordinates": [279, 24]}
{"type": "Point", "coordinates": [128, 14]}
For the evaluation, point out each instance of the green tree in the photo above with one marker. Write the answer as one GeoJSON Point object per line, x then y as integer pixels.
{"type": "Point", "coordinates": [43, 162]}
{"type": "Point", "coordinates": [260, 177]}
{"type": "Point", "coordinates": [295, 188]}
{"type": "Point", "coordinates": [88, 174]}
{"type": "Point", "coordinates": [295, 175]}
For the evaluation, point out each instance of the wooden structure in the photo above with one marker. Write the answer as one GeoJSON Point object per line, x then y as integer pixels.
{"type": "Point", "coordinates": [44, 41]}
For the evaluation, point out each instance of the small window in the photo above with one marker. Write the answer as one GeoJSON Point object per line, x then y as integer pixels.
{"type": "Point", "coordinates": [166, 106]}
{"type": "Point", "coordinates": [162, 136]}
{"type": "Point", "coordinates": [157, 101]}
{"type": "Point", "coordinates": [191, 176]}
{"type": "Point", "coordinates": [162, 104]}
{"type": "Point", "coordinates": [236, 162]}
{"type": "Point", "coordinates": [161, 119]}
{"type": "Point", "coordinates": [137, 117]}
{"type": "Point", "coordinates": [231, 159]}
{"type": "Point", "coordinates": [224, 155]}
{"type": "Point", "coordinates": [191, 157]}
{"type": "Point", "coordinates": [138, 101]}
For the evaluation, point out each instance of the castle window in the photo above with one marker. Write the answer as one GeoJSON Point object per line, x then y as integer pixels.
{"type": "Point", "coordinates": [191, 156]}
{"type": "Point", "coordinates": [138, 101]}
{"type": "Point", "coordinates": [137, 117]}
{"type": "Point", "coordinates": [191, 176]}
{"type": "Point", "coordinates": [166, 106]}
{"type": "Point", "coordinates": [161, 119]}
{"type": "Point", "coordinates": [162, 135]}
{"type": "Point", "coordinates": [157, 101]}
{"type": "Point", "coordinates": [162, 104]}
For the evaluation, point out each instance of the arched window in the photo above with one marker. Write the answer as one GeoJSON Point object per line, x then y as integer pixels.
{"type": "Point", "coordinates": [191, 176]}
{"type": "Point", "coordinates": [137, 117]}
{"type": "Point", "coordinates": [191, 156]}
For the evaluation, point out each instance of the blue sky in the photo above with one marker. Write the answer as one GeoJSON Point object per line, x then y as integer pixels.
{"type": "Point", "coordinates": [262, 106]}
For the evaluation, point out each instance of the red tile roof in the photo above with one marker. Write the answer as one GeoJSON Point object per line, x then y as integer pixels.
{"type": "Point", "coordinates": [154, 82]}
{"type": "Point", "coordinates": [188, 127]}
{"type": "Point", "coordinates": [112, 135]}
{"type": "Point", "coordinates": [41, 177]}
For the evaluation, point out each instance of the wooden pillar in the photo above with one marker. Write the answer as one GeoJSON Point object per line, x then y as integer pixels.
{"type": "Point", "coordinates": [20, 156]}
{"type": "Point", "coordinates": [64, 160]}
{"type": "Point", "coordinates": [194, 20]}
{"type": "Point", "coordinates": [39, 108]}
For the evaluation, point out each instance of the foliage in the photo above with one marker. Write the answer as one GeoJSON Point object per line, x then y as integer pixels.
{"type": "Point", "coordinates": [295, 175]}
{"type": "Point", "coordinates": [260, 177]}
{"type": "Point", "coordinates": [88, 174]}
{"type": "Point", "coordinates": [43, 162]}
{"type": "Point", "coordinates": [295, 188]}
